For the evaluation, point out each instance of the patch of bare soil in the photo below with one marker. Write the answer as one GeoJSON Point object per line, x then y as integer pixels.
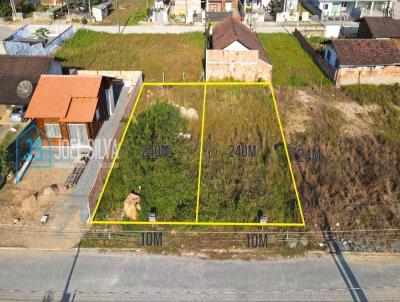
{"type": "Point", "coordinates": [33, 196]}
{"type": "Point", "coordinates": [40, 192]}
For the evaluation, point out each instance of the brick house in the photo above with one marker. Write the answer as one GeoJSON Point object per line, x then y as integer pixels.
{"type": "Point", "coordinates": [364, 61]}
{"type": "Point", "coordinates": [70, 110]}
{"type": "Point", "coordinates": [236, 52]}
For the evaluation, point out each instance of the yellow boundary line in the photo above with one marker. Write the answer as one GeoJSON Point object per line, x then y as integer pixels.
{"type": "Point", "coordinates": [203, 84]}
{"type": "Point", "coordinates": [201, 152]}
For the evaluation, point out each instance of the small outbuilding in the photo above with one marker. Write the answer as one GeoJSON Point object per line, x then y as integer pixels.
{"type": "Point", "coordinates": [101, 11]}
{"type": "Point", "coordinates": [236, 52]}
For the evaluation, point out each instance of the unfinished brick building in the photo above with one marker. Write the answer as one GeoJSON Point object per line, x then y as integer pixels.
{"type": "Point", "coordinates": [364, 61]}
{"type": "Point", "coordinates": [236, 52]}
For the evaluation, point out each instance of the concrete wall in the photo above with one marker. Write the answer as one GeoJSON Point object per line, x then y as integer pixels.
{"type": "Point", "coordinates": [368, 75]}
{"type": "Point", "coordinates": [317, 58]}
{"type": "Point", "coordinates": [240, 65]}
{"type": "Point", "coordinates": [14, 47]}
{"type": "Point", "coordinates": [130, 76]}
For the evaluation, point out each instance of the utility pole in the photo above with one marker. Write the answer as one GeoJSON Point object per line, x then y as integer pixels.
{"type": "Point", "coordinates": [14, 10]}
{"type": "Point", "coordinates": [119, 29]}
{"type": "Point", "coordinates": [90, 10]}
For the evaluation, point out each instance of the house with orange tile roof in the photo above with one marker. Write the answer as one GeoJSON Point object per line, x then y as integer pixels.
{"type": "Point", "coordinates": [70, 110]}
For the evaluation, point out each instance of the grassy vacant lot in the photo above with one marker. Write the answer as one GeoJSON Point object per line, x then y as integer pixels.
{"type": "Point", "coordinates": [239, 185]}
{"type": "Point", "coordinates": [292, 66]}
{"type": "Point", "coordinates": [166, 183]}
{"type": "Point", "coordinates": [130, 12]}
{"type": "Point", "coordinates": [235, 187]}
{"type": "Point", "coordinates": [154, 54]}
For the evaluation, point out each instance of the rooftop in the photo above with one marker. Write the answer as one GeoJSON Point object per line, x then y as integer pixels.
{"type": "Point", "coordinates": [69, 98]}
{"type": "Point", "coordinates": [366, 52]}
{"type": "Point", "coordinates": [230, 30]}
{"type": "Point", "coordinates": [14, 70]}
{"type": "Point", "coordinates": [383, 27]}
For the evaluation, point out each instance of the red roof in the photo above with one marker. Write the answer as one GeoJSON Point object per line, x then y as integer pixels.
{"type": "Point", "coordinates": [69, 98]}
{"type": "Point", "coordinates": [230, 30]}
{"type": "Point", "coordinates": [366, 52]}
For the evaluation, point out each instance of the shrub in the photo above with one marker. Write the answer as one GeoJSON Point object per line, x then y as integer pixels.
{"type": "Point", "coordinates": [5, 10]}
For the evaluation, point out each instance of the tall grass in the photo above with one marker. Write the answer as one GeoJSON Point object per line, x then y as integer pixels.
{"type": "Point", "coordinates": [292, 66]}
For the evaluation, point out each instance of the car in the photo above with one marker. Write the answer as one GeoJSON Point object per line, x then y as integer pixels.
{"type": "Point", "coordinates": [17, 113]}
{"type": "Point", "coordinates": [81, 8]}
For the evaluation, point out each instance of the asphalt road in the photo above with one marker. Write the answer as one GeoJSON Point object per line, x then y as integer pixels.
{"type": "Point", "coordinates": [128, 276]}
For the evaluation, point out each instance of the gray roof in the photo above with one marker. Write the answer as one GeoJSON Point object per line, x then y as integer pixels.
{"type": "Point", "coordinates": [15, 69]}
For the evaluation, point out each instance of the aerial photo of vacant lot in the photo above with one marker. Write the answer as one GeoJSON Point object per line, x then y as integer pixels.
{"type": "Point", "coordinates": [245, 174]}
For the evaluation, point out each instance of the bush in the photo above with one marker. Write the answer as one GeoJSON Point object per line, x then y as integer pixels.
{"type": "Point", "coordinates": [5, 163]}
{"type": "Point", "coordinates": [41, 8]}
{"type": "Point", "coordinates": [5, 10]}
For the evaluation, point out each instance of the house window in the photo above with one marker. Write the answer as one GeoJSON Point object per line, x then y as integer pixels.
{"type": "Point", "coordinates": [52, 130]}
{"type": "Point", "coordinates": [97, 114]}
{"type": "Point", "coordinates": [344, 4]}
{"type": "Point", "coordinates": [213, 7]}
{"type": "Point", "coordinates": [326, 6]}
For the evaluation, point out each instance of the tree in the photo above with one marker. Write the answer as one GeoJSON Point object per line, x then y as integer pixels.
{"type": "Point", "coordinates": [42, 34]}
{"type": "Point", "coordinates": [5, 10]}
{"type": "Point", "coordinates": [274, 7]}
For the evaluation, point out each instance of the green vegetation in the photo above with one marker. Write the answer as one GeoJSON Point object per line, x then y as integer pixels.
{"type": "Point", "coordinates": [233, 188]}
{"type": "Point", "coordinates": [5, 163]}
{"type": "Point", "coordinates": [243, 188]}
{"type": "Point", "coordinates": [163, 183]}
{"type": "Point", "coordinates": [387, 97]}
{"type": "Point", "coordinates": [130, 12]}
{"type": "Point", "coordinates": [5, 9]}
{"type": "Point", "coordinates": [167, 184]}
{"type": "Point", "coordinates": [318, 43]}
{"type": "Point", "coordinates": [275, 7]}
{"type": "Point", "coordinates": [154, 54]}
{"type": "Point", "coordinates": [292, 66]}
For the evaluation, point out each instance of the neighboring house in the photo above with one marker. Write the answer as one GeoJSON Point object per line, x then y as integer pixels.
{"type": "Point", "coordinates": [19, 76]}
{"type": "Point", "coordinates": [53, 2]}
{"type": "Point", "coordinates": [182, 7]}
{"type": "Point", "coordinates": [339, 9]}
{"type": "Point", "coordinates": [364, 61]}
{"type": "Point", "coordinates": [220, 5]}
{"type": "Point", "coordinates": [100, 11]}
{"type": "Point", "coordinates": [70, 110]}
{"type": "Point", "coordinates": [25, 41]}
{"type": "Point", "coordinates": [379, 28]}
{"type": "Point", "coordinates": [237, 52]}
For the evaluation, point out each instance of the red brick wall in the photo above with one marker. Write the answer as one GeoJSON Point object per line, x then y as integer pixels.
{"type": "Point", "coordinates": [241, 65]}
{"type": "Point", "coordinates": [368, 75]}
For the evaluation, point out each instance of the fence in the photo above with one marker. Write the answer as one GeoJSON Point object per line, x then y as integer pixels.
{"type": "Point", "coordinates": [317, 58]}
{"type": "Point", "coordinates": [16, 44]}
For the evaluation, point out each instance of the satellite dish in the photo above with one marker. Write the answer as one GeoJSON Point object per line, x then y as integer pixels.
{"type": "Point", "coordinates": [24, 89]}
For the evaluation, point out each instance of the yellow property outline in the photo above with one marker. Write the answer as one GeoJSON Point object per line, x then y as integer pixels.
{"type": "Point", "coordinates": [197, 222]}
